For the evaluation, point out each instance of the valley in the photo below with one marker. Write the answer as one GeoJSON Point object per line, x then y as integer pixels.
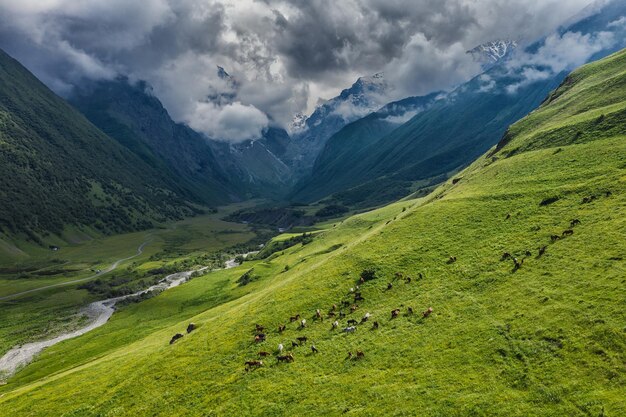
{"type": "Point", "coordinates": [285, 208]}
{"type": "Point", "coordinates": [501, 338]}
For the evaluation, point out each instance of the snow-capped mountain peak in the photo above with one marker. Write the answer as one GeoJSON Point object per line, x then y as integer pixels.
{"type": "Point", "coordinates": [494, 51]}
{"type": "Point", "coordinates": [298, 123]}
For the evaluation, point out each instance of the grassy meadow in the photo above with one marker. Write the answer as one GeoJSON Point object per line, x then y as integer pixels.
{"type": "Point", "coordinates": [545, 339]}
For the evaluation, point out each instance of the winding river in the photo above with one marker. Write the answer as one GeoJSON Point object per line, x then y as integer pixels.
{"type": "Point", "coordinates": [98, 313]}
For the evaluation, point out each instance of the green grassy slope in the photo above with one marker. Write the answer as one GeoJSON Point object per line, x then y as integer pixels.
{"type": "Point", "coordinates": [546, 340]}
{"type": "Point", "coordinates": [57, 169]}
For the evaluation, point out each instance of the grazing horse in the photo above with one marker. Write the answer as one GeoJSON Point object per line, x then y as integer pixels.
{"type": "Point", "coordinates": [302, 339]}
{"type": "Point", "coordinates": [259, 338]}
{"type": "Point", "coordinates": [294, 344]}
{"type": "Point", "coordinates": [331, 314]}
{"type": "Point", "coordinates": [410, 311]}
{"type": "Point", "coordinates": [175, 338]}
{"type": "Point", "coordinates": [335, 324]}
{"type": "Point", "coordinates": [375, 325]}
{"type": "Point", "coordinates": [508, 216]}
{"type": "Point", "coordinates": [517, 264]}
{"type": "Point", "coordinates": [259, 328]}
{"type": "Point", "coordinates": [318, 314]}
{"type": "Point", "coordinates": [294, 318]}
{"type": "Point", "coordinates": [542, 250]}
{"type": "Point", "coordinates": [360, 354]}
{"type": "Point", "coordinates": [427, 312]}
{"type": "Point", "coordinates": [554, 238]}
{"type": "Point", "coordinates": [452, 260]}
{"type": "Point", "coordinates": [342, 315]}
{"type": "Point", "coordinates": [349, 356]}
{"type": "Point", "coordinates": [352, 322]}
{"type": "Point", "coordinates": [365, 317]}
{"type": "Point", "coordinates": [281, 328]}
{"type": "Point", "coordinates": [314, 349]}
{"type": "Point", "coordinates": [264, 354]}
{"type": "Point", "coordinates": [285, 358]}
{"type": "Point", "coordinates": [334, 307]}
{"type": "Point", "coordinates": [358, 297]}
{"type": "Point", "coordinates": [408, 280]}
{"type": "Point", "coordinates": [574, 222]}
{"type": "Point", "coordinates": [420, 276]}
{"type": "Point", "coordinates": [253, 364]}
{"type": "Point", "coordinates": [280, 348]}
{"type": "Point", "coordinates": [302, 323]}
{"type": "Point", "coordinates": [191, 327]}
{"type": "Point", "coordinates": [350, 329]}
{"type": "Point", "coordinates": [568, 232]}
{"type": "Point", "coordinates": [529, 253]}
{"type": "Point", "coordinates": [505, 256]}
{"type": "Point", "coordinates": [395, 313]}
{"type": "Point", "coordinates": [354, 308]}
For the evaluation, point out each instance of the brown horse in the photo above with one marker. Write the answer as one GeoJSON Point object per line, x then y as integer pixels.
{"type": "Point", "coordinates": [428, 312]}
{"type": "Point", "coordinates": [285, 358]}
{"type": "Point", "coordinates": [395, 313]}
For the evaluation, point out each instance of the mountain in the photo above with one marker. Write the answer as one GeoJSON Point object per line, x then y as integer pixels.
{"type": "Point", "coordinates": [493, 52]}
{"type": "Point", "coordinates": [309, 135]}
{"type": "Point", "coordinates": [58, 170]}
{"type": "Point", "coordinates": [258, 163]}
{"type": "Point", "coordinates": [446, 136]}
{"type": "Point", "coordinates": [132, 115]}
{"type": "Point", "coordinates": [210, 170]}
{"type": "Point", "coordinates": [352, 143]}
{"type": "Point", "coordinates": [514, 306]}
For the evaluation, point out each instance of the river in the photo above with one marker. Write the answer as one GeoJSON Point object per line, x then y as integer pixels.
{"type": "Point", "coordinates": [98, 313]}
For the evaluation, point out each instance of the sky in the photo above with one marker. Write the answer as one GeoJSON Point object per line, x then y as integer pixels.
{"type": "Point", "coordinates": [283, 55]}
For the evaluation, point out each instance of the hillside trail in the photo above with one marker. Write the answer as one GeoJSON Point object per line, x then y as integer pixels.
{"type": "Point", "coordinates": [108, 269]}
{"type": "Point", "coordinates": [98, 313]}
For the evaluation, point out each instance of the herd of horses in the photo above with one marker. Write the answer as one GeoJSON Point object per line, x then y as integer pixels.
{"type": "Point", "coordinates": [337, 313]}
{"type": "Point", "coordinates": [334, 313]}
{"type": "Point", "coordinates": [517, 262]}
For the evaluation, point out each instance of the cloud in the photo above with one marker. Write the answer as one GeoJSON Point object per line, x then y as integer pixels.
{"type": "Point", "coordinates": [284, 54]}
{"type": "Point", "coordinates": [234, 122]}
{"type": "Point", "coordinates": [558, 53]}
{"type": "Point", "coordinates": [619, 23]}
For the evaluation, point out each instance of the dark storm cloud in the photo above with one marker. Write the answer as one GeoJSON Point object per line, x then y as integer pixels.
{"type": "Point", "coordinates": [283, 54]}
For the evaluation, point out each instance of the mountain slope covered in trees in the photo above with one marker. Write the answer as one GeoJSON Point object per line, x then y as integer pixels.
{"type": "Point", "coordinates": [57, 169]}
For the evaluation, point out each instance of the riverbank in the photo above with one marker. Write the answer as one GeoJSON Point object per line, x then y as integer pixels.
{"type": "Point", "coordinates": [98, 313]}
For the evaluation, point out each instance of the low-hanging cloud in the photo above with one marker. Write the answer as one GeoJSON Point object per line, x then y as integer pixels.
{"type": "Point", "coordinates": [233, 122]}
{"type": "Point", "coordinates": [283, 54]}
{"type": "Point", "coordinates": [559, 52]}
